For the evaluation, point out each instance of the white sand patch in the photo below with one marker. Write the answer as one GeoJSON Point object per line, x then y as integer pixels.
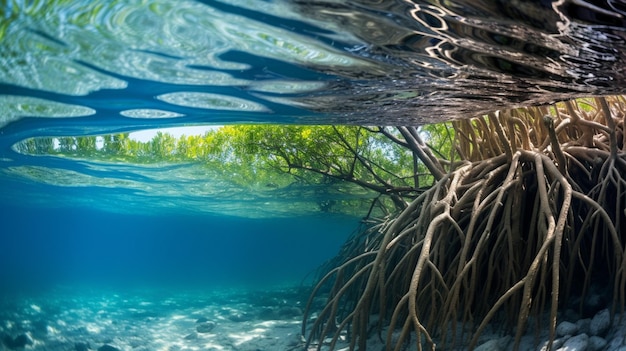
{"type": "Point", "coordinates": [202, 320]}
{"type": "Point", "coordinates": [145, 320]}
{"type": "Point", "coordinates": [93, 328]}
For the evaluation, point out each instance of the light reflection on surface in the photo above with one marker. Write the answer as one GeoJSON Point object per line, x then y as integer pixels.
{"type": "Point", "coordinates": [310, 61]}
{"type": "Point", "coordinates": [101, 68]}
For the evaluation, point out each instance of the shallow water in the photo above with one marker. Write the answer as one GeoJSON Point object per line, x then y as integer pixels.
{"type": "Point", "coordinates": [91, 242]}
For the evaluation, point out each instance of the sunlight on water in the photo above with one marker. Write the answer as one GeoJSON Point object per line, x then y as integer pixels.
{"type": "Point", "coordinates": [149, 113]}
{"type": "Point", "coordinates": [211, 101]}
{"type": "Point", "coordinates": [15, 107]}
{"type": "Point", "coordinates": [80, 48]}
{"type": "Point", "coordinates": [305, 61]}
{"type": "Point", "coordinates": [99, 67]}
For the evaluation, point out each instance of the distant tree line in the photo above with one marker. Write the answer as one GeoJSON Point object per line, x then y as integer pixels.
{"type": "Point", "coordinates": [376, 158]}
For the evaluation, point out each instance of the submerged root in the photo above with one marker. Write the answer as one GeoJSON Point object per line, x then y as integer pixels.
{"type": "Point", "coordinates": [501, 238]}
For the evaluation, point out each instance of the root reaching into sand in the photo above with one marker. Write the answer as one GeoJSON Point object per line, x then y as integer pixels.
{"type": "Point", "coordinates": [534, 207]}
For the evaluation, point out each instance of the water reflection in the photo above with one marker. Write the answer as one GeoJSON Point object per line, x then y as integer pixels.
{"type": "Point", "coordinates": [308, 61]}
{"type": "Point", "coordinates": [15, 107]}
{"type": "Point", "coordinates": [460, 58]}
{"type": "Point", "coordinates": [167, 189]}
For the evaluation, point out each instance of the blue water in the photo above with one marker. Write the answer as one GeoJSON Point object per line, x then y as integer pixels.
{"type": "Point", "coordinates": [43, 247]}
{"type": "Point", "coordinates": [87, 244]}
{"type": "Point", "coordinates": [74, 274]}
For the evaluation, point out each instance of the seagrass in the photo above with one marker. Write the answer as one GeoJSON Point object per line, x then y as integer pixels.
{"type": "Point", "coordinates": [534, 203]}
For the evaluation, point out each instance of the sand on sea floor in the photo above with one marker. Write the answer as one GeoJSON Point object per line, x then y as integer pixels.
{"type": "Point", "coordinates": [228, 319]}
{"type": "Point", "coordinates": [208, 319]}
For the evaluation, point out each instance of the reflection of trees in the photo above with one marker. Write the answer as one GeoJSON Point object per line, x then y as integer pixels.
{"type": "Point", "coordinates": [36, 146]}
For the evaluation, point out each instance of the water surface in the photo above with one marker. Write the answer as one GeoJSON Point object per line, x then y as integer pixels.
{"type": "Point", "coordinates": [82, 238]}
{"type": "Point", "coordinates": [131, 64]}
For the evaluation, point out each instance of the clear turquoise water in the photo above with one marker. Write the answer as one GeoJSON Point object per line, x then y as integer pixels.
{"type": "Point", "coordinates": [77, 235]}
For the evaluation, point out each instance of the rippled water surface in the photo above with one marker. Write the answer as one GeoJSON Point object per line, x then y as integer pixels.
{"type": "Point", "coordinates": [129, 63]}
{"type": "Point", "coordinates": [70, 68]}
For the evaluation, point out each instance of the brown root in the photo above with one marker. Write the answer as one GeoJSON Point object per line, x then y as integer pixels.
{"type": "Point", "coordinates": [501, 238]}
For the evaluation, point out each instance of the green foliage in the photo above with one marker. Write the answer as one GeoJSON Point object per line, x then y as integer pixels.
{"type": "Point", "coordinates": [440, 138]}
{"type": "Point", "coordinates": [309, 152]}
{"type": "Point", "coordinates": [273, 156]}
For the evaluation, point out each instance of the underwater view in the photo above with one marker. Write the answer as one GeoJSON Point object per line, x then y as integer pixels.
{"type": "Point", "coordinates": [296, 175]}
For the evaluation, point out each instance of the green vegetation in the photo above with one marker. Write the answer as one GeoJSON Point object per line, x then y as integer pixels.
{"type": "Point", "coordinates": [375, 158]}
{"type": "Point", "coordinates": [498, 218]}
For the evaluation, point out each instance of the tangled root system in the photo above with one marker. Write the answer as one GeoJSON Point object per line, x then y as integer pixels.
{"type": "Point", "coordinates": [523, 224]}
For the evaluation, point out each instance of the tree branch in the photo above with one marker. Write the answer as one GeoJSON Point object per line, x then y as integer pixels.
{"type": "Point", "coordinates": [422, 151]}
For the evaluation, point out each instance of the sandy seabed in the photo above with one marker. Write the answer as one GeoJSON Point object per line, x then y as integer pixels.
{"type": "Point", "coordinates": [71, 318]}
{"type": "Point", "coordinates": [80, 319]}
